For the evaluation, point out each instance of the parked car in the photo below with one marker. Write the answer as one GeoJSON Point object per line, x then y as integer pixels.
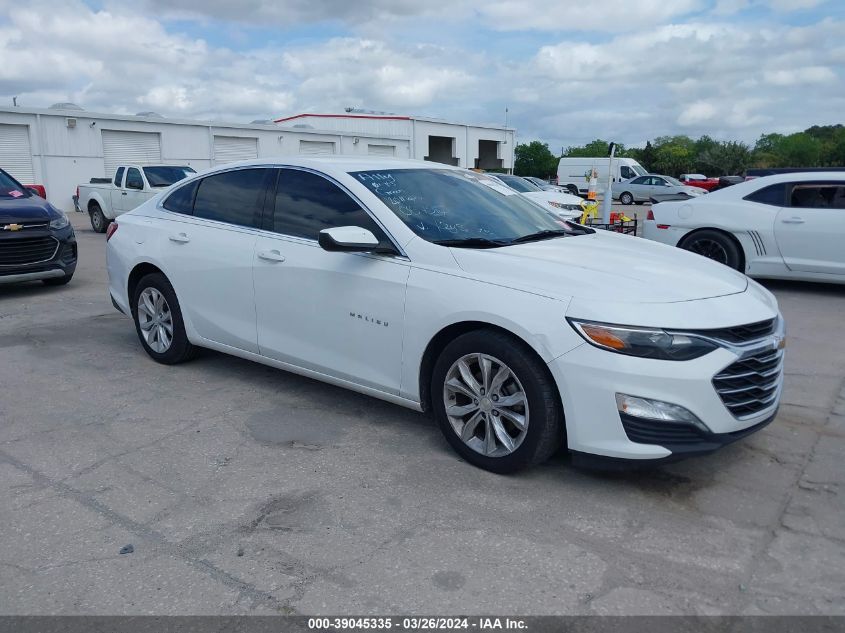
{"type": "Point", "coordinates": [789, 226]}
{"type": "Point", "coordinates": [728, 181]}
{"type": "Point", "coordinates": [130, 186]}
{"type": "Point", "coordinates": [36, 240]}
{"type": "Point", "coordinates": [699, 180]}
{"type": "Point", "coordinates": [432, 288]}
{"type": "Point", "coordinates": [573, 174]}
{"type": "Point", "coordinates": [643, 188]}
{"type": "Point", "coordinates": [564, 205]}
{"type": "Point", "coordinates": [545, 185]}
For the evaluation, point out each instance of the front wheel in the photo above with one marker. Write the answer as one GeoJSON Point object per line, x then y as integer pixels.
{"type": "Point", "coordinates": [99, 222]}
{"type": "Point", "coordinates": [158, 321]}
{"type": "Point", "coordinates": [496, 403]}
{"type": "Point", "coordinates": [716, 246]}
{"type": "Point", "coordinates": [626, 198]}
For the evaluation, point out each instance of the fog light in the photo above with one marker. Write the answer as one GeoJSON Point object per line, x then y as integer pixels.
{"type": "Point", "coordinates": [657, 410]}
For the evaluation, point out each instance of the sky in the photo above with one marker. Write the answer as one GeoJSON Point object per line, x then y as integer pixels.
{"type": "Point", "coordinates": [567, 71]}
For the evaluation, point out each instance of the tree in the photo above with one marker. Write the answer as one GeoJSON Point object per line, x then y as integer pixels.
{"type": "Point", "coordinates": [674, 155]}
{"type": "Point", "coordinates": [724, 158]}
{"type": "Point", "coordinates": [593, 149]}
{"type": "Point", "coordinates": [534, 159]}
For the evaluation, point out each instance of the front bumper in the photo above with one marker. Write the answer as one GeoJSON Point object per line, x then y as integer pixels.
{"type": "Point", "coordinates": [589, 379]}
{"type": "Point", "coordinates": [61, 263]}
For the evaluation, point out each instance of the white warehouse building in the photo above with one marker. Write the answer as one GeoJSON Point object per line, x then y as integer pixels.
{"type": "Point", "coordinates": [63, 146]}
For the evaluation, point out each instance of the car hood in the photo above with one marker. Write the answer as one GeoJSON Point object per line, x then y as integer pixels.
{"type": "Point", "coordinates": [554, 196]}
{"type": "Point", "coordinates": [18, 211]}
{"type": "Point", "coordinates": [604, 267]}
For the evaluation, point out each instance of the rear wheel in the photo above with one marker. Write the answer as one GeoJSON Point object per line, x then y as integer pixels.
{"type": "Point", "coordinates": [626, 198]}
{"type": "Point", "coordinates": [496, 403]}
{"type": "Point", "coordinates": [158, 321]}
{"type": "Point", "coordinates": [99, 222]}
{"type": "Point", "coordinates": [716, 246]}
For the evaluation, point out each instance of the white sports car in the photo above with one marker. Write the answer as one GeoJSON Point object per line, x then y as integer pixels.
{"type": "Point", "coordinates": [565, 205]}
{"type": "Point", "coordinates": [788, 226]}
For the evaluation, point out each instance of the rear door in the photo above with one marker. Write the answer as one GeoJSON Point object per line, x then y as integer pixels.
{"type": "Point", "coordinates": [207, 242]}
{"type": "Point", "coordinates": [810, 230]}
{"type": "Point", "coordinates": [336, 313]}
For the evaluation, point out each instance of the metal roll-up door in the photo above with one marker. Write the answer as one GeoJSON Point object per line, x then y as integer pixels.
{"type": "Point", "coordinates": [16, 154]}
{"type": "Point", "coordinates": [381, 150]}
{"type": "Point", "coordinates": [316, 147]}
{"type": "Point", "coordinates": [143, 148]}
{"type": "Point", "coordinates": [229, 149]}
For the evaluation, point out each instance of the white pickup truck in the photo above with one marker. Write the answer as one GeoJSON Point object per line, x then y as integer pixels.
{"type": "Point", "coordinates": [131, 186]}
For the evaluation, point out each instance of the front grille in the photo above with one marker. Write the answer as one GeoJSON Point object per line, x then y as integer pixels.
{"type": "Point", "coordinates": [741, 334]}
{"type": "Point", "coordinates": [27, 250]}
{"type": "Point", "coordinates": [750, 385]}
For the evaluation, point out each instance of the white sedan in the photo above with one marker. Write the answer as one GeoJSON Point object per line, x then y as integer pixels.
{"type": "Point", "coordinates": [788, 226]}
{"type": "Point", "coordinates": [643, 188]}
{"type": "Point", "coordinates": [563, 204]}
{"type": "Point", "coordinates": [427, 287]}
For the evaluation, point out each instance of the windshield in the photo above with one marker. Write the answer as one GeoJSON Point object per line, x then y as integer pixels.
{"type": "Point", "coordinates": [11, 188]}
{"type": "Point", "coordinates": [639, 169]}
{"type": "Point", "coordinates": [520, 184]}
{"type": "Point", "coordinates": [164, 176]}
{"type": "Point", "coordinates": [450, 205]}
{"type": "Point", "coordinates": [673, 181]}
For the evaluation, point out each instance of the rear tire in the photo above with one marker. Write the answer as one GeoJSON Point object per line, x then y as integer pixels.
{"type": "Point", "coordinates": [99, 222]}
{"type": "Point", "coordinates": [158, 321]}
{"type": "Point", "coordinates": [714, 245]}
{"type": "Point", "coordinates": [626, 198]}
{"type": "Point", "coordinates": [490, 381]}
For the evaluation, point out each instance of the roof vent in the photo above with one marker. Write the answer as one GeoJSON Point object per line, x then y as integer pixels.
{"type": "Point", "coordinates": [304, 126]}
{"type": "Point", "coordinates": [262, 122]}
{"type": "Point", "coordinates": [67, 105]}
{"type": "Point", "coordinates": [150, 115]}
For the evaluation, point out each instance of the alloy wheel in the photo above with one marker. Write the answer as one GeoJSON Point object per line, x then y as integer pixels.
{"type": "Point", "coordinates": [155, 320]}
{"type": "Point", "coordinates": [486, 405]}
{"type": "Point", "coordinates": [710, 249]}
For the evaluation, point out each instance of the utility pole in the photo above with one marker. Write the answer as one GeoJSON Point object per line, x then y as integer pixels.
{"type": "Point", "coordinates": [607, 201]}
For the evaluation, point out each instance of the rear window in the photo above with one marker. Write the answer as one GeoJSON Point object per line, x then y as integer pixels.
{"type": "Point", "coordinates": [774, 195]}
{"type": "Point", "coordinates": [164, 176]}
{"type": "Point", "coordinates": [182, 200]}
{"type": "Point", "coordinates": [236, 197]}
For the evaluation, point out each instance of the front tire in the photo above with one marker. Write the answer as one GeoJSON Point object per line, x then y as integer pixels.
{"type": "Point", "coordinates": [714, 245]}
{"type": "Point", "coordinates": [572, 189]}
{"type": "Point", "coordinates": [496, 403]}
{"type": "Point", "coordinates": [99, 222]}
{"type": "Point", "coordinates": [158, 321]}
{"type": "Point", "coordinates": [626, 198]}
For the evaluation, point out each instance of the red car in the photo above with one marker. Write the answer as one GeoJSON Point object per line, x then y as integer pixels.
{"type": "Point", "coordinates": [700, 180]}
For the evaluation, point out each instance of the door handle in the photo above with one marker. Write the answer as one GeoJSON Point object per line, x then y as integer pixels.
{"type": "Point", "coordinates": [181, 238]}
{"type": "Point", "coordinates": [122, 193]}
{"type": "Point", "coordinates": [271, 256]}
{"type": "Point", "coordinates": [793, 220]}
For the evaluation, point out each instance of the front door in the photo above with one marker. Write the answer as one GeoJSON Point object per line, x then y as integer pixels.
{"type": "Point", "coordinates": [339, 314]}
{"type": "Point", "coordinates": [810, 231]}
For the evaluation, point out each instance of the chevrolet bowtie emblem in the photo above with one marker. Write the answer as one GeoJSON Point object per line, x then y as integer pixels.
{"type": "Point", "coordinates": [13, 227]}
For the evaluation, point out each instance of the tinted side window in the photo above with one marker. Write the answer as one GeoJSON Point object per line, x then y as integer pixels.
{"type": "Point", "coordinates": [133, 179]}
{"type": "Point", "coordinates": [774, 195]}
{"type": "Point", "coordinates": [818, 196]}
{"type": "Point", "coordinates": [642, 180]}
{"type": "Point", "coordinates": [182, 200]}
{"type": "Point", "coordinates": [236, 197]}
{"type": "Point", "coordinates": [307, 203]}
{"type": "Point", "coordinates": [118, 177]}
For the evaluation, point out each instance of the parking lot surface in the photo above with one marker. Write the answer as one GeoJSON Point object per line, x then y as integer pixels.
{"type": "Point", "coordinates": [245, 489]}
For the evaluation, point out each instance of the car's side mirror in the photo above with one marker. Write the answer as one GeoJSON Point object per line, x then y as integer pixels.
{"type": "Point", "coordinates": [350, 239]}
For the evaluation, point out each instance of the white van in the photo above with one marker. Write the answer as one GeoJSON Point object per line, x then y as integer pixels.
{"type": "Point", "coordinates": [574, 173]}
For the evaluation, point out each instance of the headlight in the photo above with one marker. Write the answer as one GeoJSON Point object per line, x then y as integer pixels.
{"type": "Point", "coordinates": [643, 342]}
{"type": "Point", "coordinates": [565, 207]}
{"type": "Point", "coordinates": [59, 222]}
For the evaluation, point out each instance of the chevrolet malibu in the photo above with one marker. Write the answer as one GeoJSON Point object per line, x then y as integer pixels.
{"type": "Point", "coordinates": [427, 287]}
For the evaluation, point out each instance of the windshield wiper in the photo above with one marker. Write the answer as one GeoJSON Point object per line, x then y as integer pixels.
{"type": "Point", "coordinates": [541, 235]}
{"type": "Point", "coordinates": [472, 242]}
